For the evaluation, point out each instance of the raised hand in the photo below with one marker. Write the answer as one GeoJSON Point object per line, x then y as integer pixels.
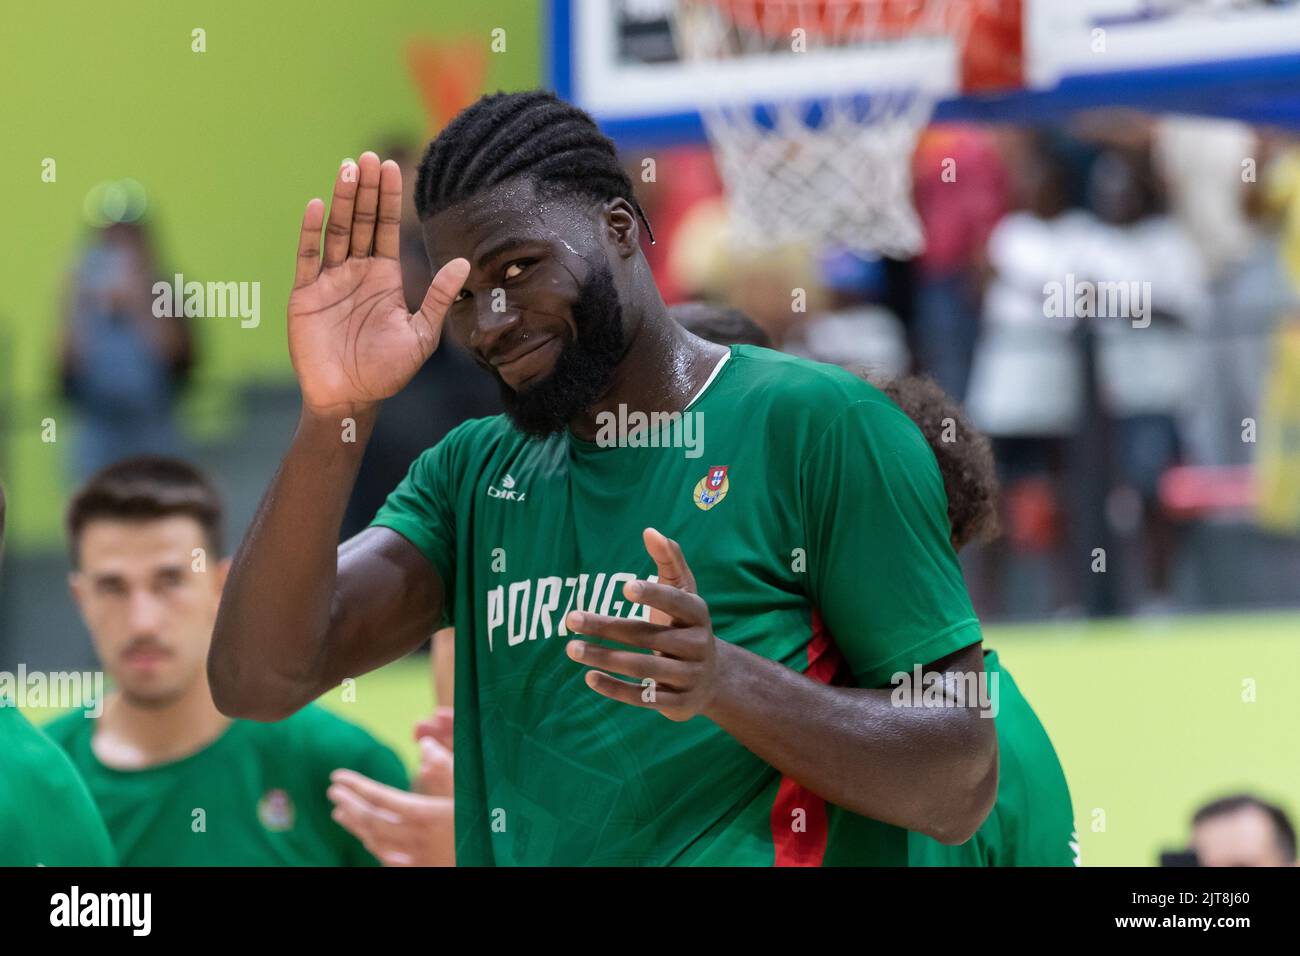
{"type": "Point", "coordinates": [351, 339]}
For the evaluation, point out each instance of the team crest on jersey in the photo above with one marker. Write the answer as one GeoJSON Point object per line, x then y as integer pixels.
{"type": "Point", "coordinates": [712, 488]}
{"type": "Point", "coordinates": [275, 810]}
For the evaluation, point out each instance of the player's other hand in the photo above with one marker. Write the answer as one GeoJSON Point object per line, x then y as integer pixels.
{"type": "Point", "coordinates": [398, 828]}
{"type": "Point", "coordinates": [436, 775]}
{"type": "Point", "coordinates": [440, 726]}
{"type": "Point", "coordinates": [679, 678]}
{"type": "Point", "coordinates": [351, 340]}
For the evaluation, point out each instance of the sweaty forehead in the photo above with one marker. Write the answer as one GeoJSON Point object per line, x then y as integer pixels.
{"type": "Point", "coordinates": [512, 210]}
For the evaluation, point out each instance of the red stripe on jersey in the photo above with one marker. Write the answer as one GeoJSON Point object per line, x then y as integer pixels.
{"type": "Point", "coordinates": [807, 848]}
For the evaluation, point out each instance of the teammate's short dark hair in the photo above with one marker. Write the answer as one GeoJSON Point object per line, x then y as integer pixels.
{"type": "Point", "coordinates": [964, 454]}
{"type": "Point", "coordinates": [1286, 839]}
{"type": "Point", "coordinates": [720, 324]}
{"type": "Point", "coordinates": [534, 134]}
{"type": "Point", "coordinates": [146, 488]}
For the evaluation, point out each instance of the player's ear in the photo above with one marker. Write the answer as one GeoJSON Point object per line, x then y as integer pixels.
{"type": "Point", "coordinates": [222, 572]}
{"type": "Point", "coordinates": [75, 587]}
{"type": "Point", "coordinates": [621, 226]}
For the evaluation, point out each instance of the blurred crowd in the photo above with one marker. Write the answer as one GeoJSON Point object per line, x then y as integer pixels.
{"type": "Point", "coordinates": [1111, 431]}
{"type": "Point", "coordinates": [121, 367]}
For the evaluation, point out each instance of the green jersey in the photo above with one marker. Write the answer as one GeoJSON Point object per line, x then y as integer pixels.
{"type": "Point", "coordinates": [815, 522]}
{"type": "Point", "coordinates": [46, 815]}
{"type": "Point", "coordinates": [255, 796]}
{"type": "Point", "coordinates": [1032, 823]}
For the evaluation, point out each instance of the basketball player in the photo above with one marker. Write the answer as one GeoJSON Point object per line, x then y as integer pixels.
{"type": "Point", "coordinates": [178, 783]}
{"type": "Point", "coordinates": [811, 508]}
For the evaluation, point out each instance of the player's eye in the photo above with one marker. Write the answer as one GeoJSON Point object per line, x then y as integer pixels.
{"type": "Point", "coordinates": [168, 579]}
{"type": "Point", "coordinates": [517, 268]}
{"type": "Point", "coordinates": [461, 296]}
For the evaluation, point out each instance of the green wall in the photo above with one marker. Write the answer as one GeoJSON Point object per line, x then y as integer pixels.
{"type": "Point", "coordinates": [230, 143]}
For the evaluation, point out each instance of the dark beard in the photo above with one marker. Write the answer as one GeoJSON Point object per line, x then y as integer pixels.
{"type": "Point", "coordinates": [584, 368]}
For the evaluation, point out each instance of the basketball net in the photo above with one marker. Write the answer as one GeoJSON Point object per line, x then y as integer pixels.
{"type": "Point", "coordinates": [821, 168]}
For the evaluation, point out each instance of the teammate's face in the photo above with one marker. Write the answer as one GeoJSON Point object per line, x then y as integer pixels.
{"type": "Point", "coordinates": [541, 309]}
{"type": "Point", "coordinates": [1245, 837]}
{"type": "Point", "coordinates": [149, 603]}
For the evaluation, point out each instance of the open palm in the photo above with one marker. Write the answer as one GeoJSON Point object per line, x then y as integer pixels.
{"type": "Point", "coordinates": [351, 339]}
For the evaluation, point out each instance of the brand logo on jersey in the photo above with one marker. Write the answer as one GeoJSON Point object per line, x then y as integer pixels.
{"type": "Point", "coordinates": [712, 488]}
{"type": "Point", "coordinates": [507, 490]}
{"type": "Point", "coordinates": [275, 810]}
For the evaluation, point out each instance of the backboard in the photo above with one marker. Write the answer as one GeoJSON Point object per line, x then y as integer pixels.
{"type": "Point", "coordinates": [1237, 58]}
{"type": "Point", "coordinates": [617, 60]}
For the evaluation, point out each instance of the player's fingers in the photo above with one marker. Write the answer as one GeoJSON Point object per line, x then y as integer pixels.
{"type": "Point", "coordinates": [437, 775]}
{"type": "Point", "coordinates": [352, 824]}
{"type": "Point", "coordinates": [359, 824]}
{"type": "Point", "coordinates": [355, 823]}
{"type": "Point", "coordinates": [356, 816]}
{"type": "Point", "coordinates": [647, 695]}
{"type": "Point", "coordinates": [338, 228]}
{"type": "Point", "coordinates": [374, 792]}
{"type": "Point", "coordinates": [434, 751]}
{"type": "Point", "coordinates": [444, 727]}
{"type": "Point", "coordinates": [665, 671]}
{"type": "Point", "coordinates": [441, 727]}
{"type": "Point", "coordinates": [382, 828]}
{"type": "Point", "coordinates": [308, 263]}
{"type": "Point", "coordinates": [688, 576]}
{"type": "Point", "coordinates": [388, 229]}
{"type": "Point", "coordinates": [444, 288]}
{"type": "Point", "coordinates": [670, 563]}
{"type": "Point", "coordinates": [683, 608]}
{"type": "Point", "coordinates": [365, 208]}
{"type": "Point", "coordinates": [631, 631]}
{"type": "Point", "coordinates": [344, 796]}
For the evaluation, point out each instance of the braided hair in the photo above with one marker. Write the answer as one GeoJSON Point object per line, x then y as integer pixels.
{"type": "Point", "coordinates": [534, 134]}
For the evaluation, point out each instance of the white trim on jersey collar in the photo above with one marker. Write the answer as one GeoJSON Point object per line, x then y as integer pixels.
{"type": "Point", "coordinates": [712, 375]}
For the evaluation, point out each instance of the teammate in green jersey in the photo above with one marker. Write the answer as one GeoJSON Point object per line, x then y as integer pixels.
{"type": "Point", "coordinates": [1031, 823]}
{"type": "Point", "coordinates": [46, 816]}
{"type": "Point", "coordinates": [803, 534]}
{"type": "Point", "coordinates": [178, 783]}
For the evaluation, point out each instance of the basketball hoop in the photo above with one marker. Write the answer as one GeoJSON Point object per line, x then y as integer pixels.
{"type": "Point", "coordinates": [815, 165]}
